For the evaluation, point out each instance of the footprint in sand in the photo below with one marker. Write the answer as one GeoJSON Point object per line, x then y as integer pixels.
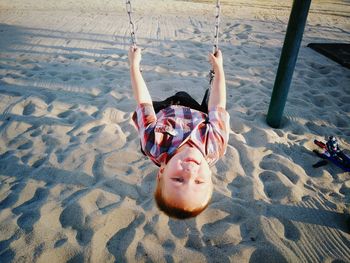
{"type": "Point", "coordinates": [244, 27]}
{"type": "Point", "coordinates": [29, 109]}
{"type": "Point", "coordinates": [53, 73]}
{"type": "Point", "coordinates": [65, 114]}
{"type": "Point", "coordinates": [87, 75]}
{"type": "Point", "coordinates": [263, 255]}
{"type": "Point", "coordinates": [273, 187]}
{"type": "Point", "coordinates": [231, 237]}
{"type": "Point", "coordinates": [243, 31]}
{"type": "Point", "coordinates": [30, 210]}
{"type": "Point", "coordinates": [73, 216]}
{"type": "Point", "coordinates": [291, 232]}
{"type": "Point", "coordinates": [110, 76]}
{"type": "Point", "coordinates": [36, 68]}
{"type": "Point", "coordinates": [345, 99]}
{"type": "Point", "coordinates": [262, 37]}
{"type": "Point", "coordinates": [241, 187]}
{"type": "Point", "coordinates": [96, 129]}
{"type": "Point", "coordinates": [70, 116]}
{"type": "Point", "coordinates": [291, 137]}
{"type": "Point", "coordinates": [321, 101]}
{"type": "Point", "coordinates": [341, 122]}
{"type": "Point", "coordinates": [258, 71]}
{"type": "Point", "coordinates": [345, 189]}
{"type": "Point", "coordinates": [256, 137]}
{"type": "Point", "coordinates": [39, 163]}
{"type": "Point", "coordinates": [74, 107]}
{"type": "Point", "coordinates": [73, 56]}
{"type": "Point", "coordinates": [345, 107]}
{"type": "Point", "coordinates": [25, 146]}
{"type": "Point", "coordinates": [29, 74]}
{"type": "Point", "coordinates": [319, 130]}
{"type": "Point", "coordinates": [169, 246]}
{"type": "Point", "coordinates": [65, 77]}
{"type": "Point", "coordinates": [242, 36]}
{"type": "Point", "coordinates": [25, 158]}
{"type": "Point", "coordinates": [12, 198]}
{"type": "Point", "coordinates": [121, 241]}
{"type": "Point", "coordinates": [239, 214]}
{"type": "Point", "coordinates": [276, 165]}
{"type": "Point", "coordinates": [324, 70]}
{"type": "Point", "coordinates": [60, 242]}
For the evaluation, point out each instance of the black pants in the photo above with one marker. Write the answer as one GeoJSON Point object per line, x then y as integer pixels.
{"type": "Point", "coordinates": [184, 99]}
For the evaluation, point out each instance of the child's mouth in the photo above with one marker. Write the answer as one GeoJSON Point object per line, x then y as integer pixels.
{"type": "Point", "coordinates": [187, 160]}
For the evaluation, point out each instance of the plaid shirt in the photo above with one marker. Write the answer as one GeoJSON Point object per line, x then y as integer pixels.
{"type": "Point", "coordinates": [173, 126]}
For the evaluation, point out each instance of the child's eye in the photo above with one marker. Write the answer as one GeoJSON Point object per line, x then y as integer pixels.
{"type": "Point", "coordinates": [178, 179]}
{"type": "Point", "coordinates": [198, 182]}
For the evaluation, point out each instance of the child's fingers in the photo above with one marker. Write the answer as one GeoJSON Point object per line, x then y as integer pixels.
{"type": "Point", "coordinates": [218, 53]}
{"type": "Point", "coordinates": [211, 57]}
{"type": "Point", "coordinates": [134, 48]}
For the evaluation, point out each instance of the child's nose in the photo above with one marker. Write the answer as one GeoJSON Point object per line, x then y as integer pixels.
{"type": "Point", "coordinates": [190, 168]}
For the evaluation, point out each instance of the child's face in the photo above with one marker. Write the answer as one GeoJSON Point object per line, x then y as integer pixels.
{"type": "Point", "coordinates": [186, 179]}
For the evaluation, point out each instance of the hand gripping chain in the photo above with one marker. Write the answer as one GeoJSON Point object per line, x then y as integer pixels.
{"type": "Point", "coordinates": [216, 35]}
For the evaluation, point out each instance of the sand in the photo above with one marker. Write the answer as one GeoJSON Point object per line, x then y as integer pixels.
{"type": "Point", "coordinates": [74, 186]}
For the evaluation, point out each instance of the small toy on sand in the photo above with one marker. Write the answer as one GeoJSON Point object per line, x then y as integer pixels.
{"type": "Point", "coordinates": [331, 152]}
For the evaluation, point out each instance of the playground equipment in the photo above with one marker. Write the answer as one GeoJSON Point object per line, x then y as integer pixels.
{"type": "Point", "coordinates": [290, 50]}
{"type": "Point", "coordinates": [211, 74]}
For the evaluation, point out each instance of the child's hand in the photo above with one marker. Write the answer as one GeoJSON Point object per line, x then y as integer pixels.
{"type": "Point", "coordinates": [134, 56]}
{"type": "Point", "coordinates": [216, 61]}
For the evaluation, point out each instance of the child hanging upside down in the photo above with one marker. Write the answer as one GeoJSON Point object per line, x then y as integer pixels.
{"type": "Point", "coordinates": [182, 137]}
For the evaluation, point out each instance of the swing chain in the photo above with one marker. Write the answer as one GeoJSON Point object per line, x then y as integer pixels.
{"type": "Point", "coordinates": [217, 25]}
{"type": "Point", "coordinates": [216, 37]}
{"type": "Point", "coordinates": [132, 26]}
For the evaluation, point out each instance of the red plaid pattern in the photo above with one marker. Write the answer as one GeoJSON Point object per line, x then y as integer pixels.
{"type": "Point", "coordinates": [173, 126]}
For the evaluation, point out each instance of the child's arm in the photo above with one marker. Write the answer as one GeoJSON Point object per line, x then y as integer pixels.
{"type": "Point", "coordinates": [138, 84]}
{"type": "Point", "coordinates": [218, 91]}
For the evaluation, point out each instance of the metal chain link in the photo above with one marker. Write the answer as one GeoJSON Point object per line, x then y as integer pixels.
{"type": "Point", "coordinates": [132, 26]}
{"type": "Point", "coordinates": [216, 37]}
{"type": "Point", "coordinates": [217, 26]}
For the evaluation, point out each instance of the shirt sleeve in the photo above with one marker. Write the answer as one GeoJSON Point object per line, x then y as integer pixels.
{"type": "Point", "coordinates": [219, 122]}
{"type": "Point", "coordinates": [145, 120]}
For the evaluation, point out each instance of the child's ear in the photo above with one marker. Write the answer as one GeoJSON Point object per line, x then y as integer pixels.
{"type": "Point", "coordinates": [160, 172]}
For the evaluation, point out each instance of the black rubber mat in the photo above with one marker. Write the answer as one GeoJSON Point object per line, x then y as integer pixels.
{"type": "Point", "coordinates": [339, 52]}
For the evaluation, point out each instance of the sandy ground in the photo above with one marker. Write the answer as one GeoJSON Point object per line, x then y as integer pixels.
{"type": "Point", "coordinates": [74, 186]}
